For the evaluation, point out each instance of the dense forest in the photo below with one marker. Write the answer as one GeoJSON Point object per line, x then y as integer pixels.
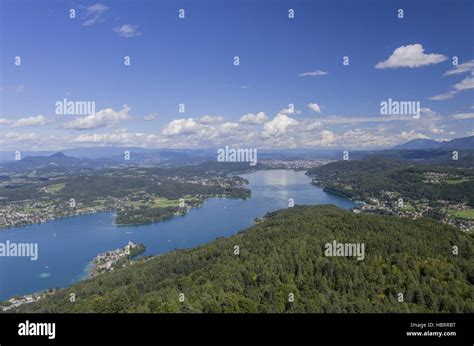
{"type": "Point", "coordinates": [144, 215]}
{"type": "Point", "coordinates": [283, 255]}
{"type": "Point", "coordinates": [361, 179]}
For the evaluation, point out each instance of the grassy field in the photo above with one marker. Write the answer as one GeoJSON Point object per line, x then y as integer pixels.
{"type": "Point", "coordinates": [99, 202]}
{"type": "Point", "coordinates": [454, 181]}
{"type": "Point", "coordinates": [55, 188]}
{"type": "Point", "coordinates": [466, 214]}
{"type": "Point", "coordinates": [156, 202]}
{"type": "Point", "coordinates": [159, 202]}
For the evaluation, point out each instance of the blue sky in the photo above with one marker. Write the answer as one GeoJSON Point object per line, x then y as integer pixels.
{"type": "Point", "coordinates": [190, 61]}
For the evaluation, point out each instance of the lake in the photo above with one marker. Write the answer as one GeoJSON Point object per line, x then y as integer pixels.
{"type": "Point", "coordinates": [66, 246]}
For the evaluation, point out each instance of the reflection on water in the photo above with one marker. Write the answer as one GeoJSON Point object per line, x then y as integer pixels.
{"type": "Point", "coordinates": [275, 178]}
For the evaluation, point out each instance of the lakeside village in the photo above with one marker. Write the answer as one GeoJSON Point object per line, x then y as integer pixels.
{"type": "Point", "coordinates": [295, 165]}
{"type": "Point", "coordinates": [459, 215]}
{"type": "Point", "coordinates": [102, 263]}
{"type": "Point", "coordinates": [34, 211]}
{"type": "Point", "coordinates": [29, 212]}
{"type": "Point", "coordinates": [108, 261]}
{"type": "Point", "coordinates": [419, 208]}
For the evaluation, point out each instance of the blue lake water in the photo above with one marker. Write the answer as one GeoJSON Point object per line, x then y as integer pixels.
{"type": "Point", "coordinates": [66, 246]}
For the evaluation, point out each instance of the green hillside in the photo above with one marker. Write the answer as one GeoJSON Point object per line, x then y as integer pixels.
{"type": "Point", "coordinates": [285, 254]}
{"type": "Point", "coordinates": [361, 179]}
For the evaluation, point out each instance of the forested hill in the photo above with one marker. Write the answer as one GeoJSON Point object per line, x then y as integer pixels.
{"type": "Point", "coordinates": [285, 254]}
{"type": "Point", "coordinates": [372, 177]}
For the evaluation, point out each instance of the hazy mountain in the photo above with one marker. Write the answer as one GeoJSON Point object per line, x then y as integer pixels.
{"type": "Point", "coordinates": [417, 149]}
{"type": "Point", "coordinates": [57, 160]}
{"type": "Point", "coordinates": [166, 157]}
{"type": "Point", "coordinates": [421, 143]}
{"type": "Point", "coordinates": [459, 143]}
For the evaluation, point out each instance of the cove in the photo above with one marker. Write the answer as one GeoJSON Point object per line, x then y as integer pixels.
{"type": "Point", "coordinates": [66, 246]}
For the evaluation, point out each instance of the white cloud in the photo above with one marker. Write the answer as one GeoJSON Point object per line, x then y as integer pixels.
{"type": "Point", "coordinates": [94, 14]}
{"type": "Point", "coordinates": [285, 132]}
{"type": "Point", "coordinates": [327, 137]}
{"type": "Point", "coordinates": [366, 138]}
{"type": "Point", "coordinates": [149, 117]}
{"type": "Point", "coordinates": [373, 138]}
{"type": "Point", "coordinates": [181, 126]}
{"type": "Point", "coordinates": [278, 126]}
{"type": "Point", "coordinates": [436, 131]}
{"type": "Point", "coordinates": [38, 120]}
{"type": "Point", "coordinates": [103, 138]}
{"type": "Point", "coordinates": [289, 111]}
{"type": "Point", "coordinates": [466, 83]}
{"type": "Point", "coordinates": [314, 107]}
{"type": "Point", "coordinates": [356, 138]}
{"type": "Point", "coordinates": [324, 138]}
{"type": "Point", "coordinates": [462, 116]}
{"type": "Point", "coordinates": [208, 119]}
{"type": "Point", "coordinates": [334, 119]}
{"type": "Point", "coordinates": [410, 56]}
{"type": "Point", "coordinates": [192, 132]}
{"type": "Point", "coordinates": [227, 129]}
{"type": "Point", "coordinates": [425, 111]}
{"type": "Point", "coordinates": [97, 8]}
{"type": "Point", "coordinates": [282, 131]}
{"type": "Point", "coordinates": [102, 118]}
{"type": "Point", "coordinates": [441, 97]}
{"type": "Point", "coordinates": [412, 134]}
{"type": "Point", "coordinates": [127, 30]}
{"type": "Point", "coordinates": [121, 136]}
{"type": "Point", "coordinates": [251, 118]}
{"type": "Point", "coordinates": [429, 119]}
{"type": "Point", "coordinates": [462, 68]}
{"type": "Point", "coordinates": [313, 74]}
{"type": "Point", "coordinates": [11, 137]}
{"type": "Point", "coordinates": [310, 126]}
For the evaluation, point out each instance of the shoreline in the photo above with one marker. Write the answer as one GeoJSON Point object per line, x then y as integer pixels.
{"type": "Point", "coordinates": [85, 273]}
{"type": "Point", "coordinates": [115, 212]}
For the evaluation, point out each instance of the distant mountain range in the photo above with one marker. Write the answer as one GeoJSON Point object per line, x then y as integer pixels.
{"type": "Point", "coordinates": [102, 156]}
{"type": "Point", "coordinates": [423, 150]}
{"type": "Point", "coordinates": [115, 155]}
{"type": "Point", "coordinates": [466, 143]}
{"type": "Point", "coordinates": [49, 162]}
{"type": "Point", "coordinates": [428, 151]}
{"type": "Point", "coordinates": [54, 159]}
